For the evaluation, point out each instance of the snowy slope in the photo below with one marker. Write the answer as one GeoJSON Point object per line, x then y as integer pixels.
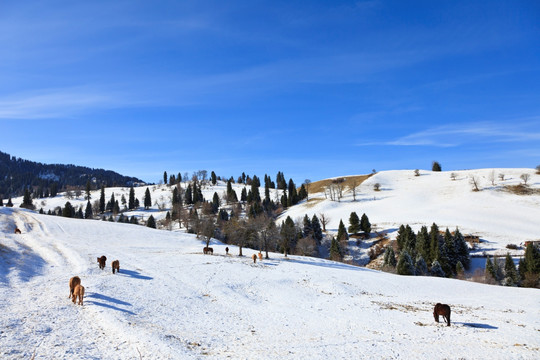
{"type": "Point", "coordinates": [497, 216]}
{"type": "Point", "coordinates": [172, 302]}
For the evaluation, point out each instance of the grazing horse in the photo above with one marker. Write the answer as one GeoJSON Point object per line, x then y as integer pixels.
{"type": "Point", "coordinates": [115, 266]}
{"type": "Point", "coordinates": [260, 256]}
{"type": "Point", "coordinates": [254, 257]}
{"type": "Point", "coordinates": [74, 281]}
{"type": "Point", "coordinates": [444, 310]}
{"type": "Point", "coordinates": [227, 250]}
{"type": "Point", "coordinates": [208, 250]}
{"type": "Point", "coordinates": [78, 292]}
{"type": "Point", "coordinates": [101, 261]}
{"type": "Point", "coordinates": [17, 231]}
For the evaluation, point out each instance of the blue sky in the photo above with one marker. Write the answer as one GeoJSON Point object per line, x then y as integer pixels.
{"type": "Point", "coordinates": [312, 88]}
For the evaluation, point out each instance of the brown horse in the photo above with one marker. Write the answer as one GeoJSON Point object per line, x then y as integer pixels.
{"type": "Point", "coordinates": [17, 231]}
{"type": "Point", "coordinates": [227, 250]}
{"type": "Point", "coordinates": [78, 292]}
{"type": "Point", "coordinates": [260, 256]}
{"type": "Point", "coordinates": [254, 257]}
{"type": "Point", "coordinates": [115, 266]}
{"type": "Point", "coordinates": [101, 261]}
{"type": "Point", "coordinates": [208, 250]}
{"type": "Point", "coordinates": [74, 281]}
{"type": "Point", "coordinates": [444, 310]}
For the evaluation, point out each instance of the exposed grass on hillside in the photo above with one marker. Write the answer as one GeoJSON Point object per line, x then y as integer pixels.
{"type": "Point", "coordinates": [319, 186]}
{"type": "Point", "coordinates": [521, 190]}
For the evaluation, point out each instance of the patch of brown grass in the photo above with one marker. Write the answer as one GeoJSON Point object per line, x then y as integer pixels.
{"type": "Point", "coordinates": [319, 186]}
{"type": "Point", "coordinates": [521, 190]}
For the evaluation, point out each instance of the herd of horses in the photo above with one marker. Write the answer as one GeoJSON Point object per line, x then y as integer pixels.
{"type": "Point", "coordinates": [76, 290]}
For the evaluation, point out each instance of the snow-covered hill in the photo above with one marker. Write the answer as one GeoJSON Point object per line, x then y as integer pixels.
{"type": "Point", "coordinates": [498, 216]}
{"type": "Point", "coordinates": [172, 302]}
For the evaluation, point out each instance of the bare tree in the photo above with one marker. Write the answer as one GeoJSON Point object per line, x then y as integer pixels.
{"type": "Point", "coordinates": [236, 231]}
{"type": "Point", "coordinates": [525, 177]}
{"type": "Point", "coordinates": [501, 177]}
{"type": "Point", "coordinates": [307, 183]}
{"type": "Point", "coordinates": [306, 246]}
{"type": "Point", "coordinates": [474, 182]}
{"type": "Point", "coordinates": [268, 233]}
{"type": "Point", "coordinates": [377, 187]}
{"type": "Point", "coordinates": [325, 220]}
{"type": "Point", "coordinates": [207, 229]}
{"type": "Point", "coordinates": [538, 169]}
{"type": "Point", "coordinates": [491, 177]}
{"type": "Point", "coordinates": [416, 172]}
{"type": "Point", "coordinates": [354, 184]}
{"type": "Point", "coordinates": [453, 176]}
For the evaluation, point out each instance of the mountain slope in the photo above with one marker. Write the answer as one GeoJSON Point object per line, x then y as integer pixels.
{"type": "Point", "coordinates": [171, 301]}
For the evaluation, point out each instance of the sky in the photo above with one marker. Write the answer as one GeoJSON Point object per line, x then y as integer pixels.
{"type": "Point", "coordinates": [314, 89]}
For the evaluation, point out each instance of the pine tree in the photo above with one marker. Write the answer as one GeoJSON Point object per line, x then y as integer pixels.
{"type": "Point", "coordinates": [421, 266]}
{"type": "Point", "coordinates": [88, 188]}
{"type": "Point", "coordinates": [307, 229]}
{"type": "Point", "coordinates": [68, 210]}
{"type": "Point", "coordinates": [188, 195]}
{"type": "Point", "coordinates": [460, 269]}
{"type": "Point", "coordinates": [532, 259]}
{"type": "Point", "coordinates": [342, 232]}
{"type": "Point", "coordinates": [434, 241]}
{"type": "Point", "coordinates": [436, 269]}
{"type": "Point", "coordinates": [215, 203]}
{"type": "Point", "coordinates": [243, 195]}
{"type": "Point", "coordinates": [88, 214]}
{"type": "Point", "coordinates": [147, 199]}
{"type": "Point", "coordinates": [510, 272]}
{"type": "Point", "coordinates": [27, 200]}
{"type": "Point", "coordinates": [151, 223]}
{"type": "Point", "coordinates": [405, 265]}
{"type": "Point", "coordinates": [131, 200]}
{"type": "Point", "coordinates": [1, 201]}
{"type": "Point", "coordinates": [436, 166]}
{"type": "Point", "coordinates": [102, 200]}
{"type": "Point", "coordinates": [317, 231]}
{"type": "Point", "coordinates": [422, 244]}
{"type": "Point", "coordinates": [335, 250]}
{"type": "Point", "coordinates": [461, 249]}
{"type": "Point", "coordinates": [165, 177]}
{"type": "Point", "coordinates": [293, 196]}
{"type": "Point", "coordinates": [354, 223]}
{"type": "Point", "coordinates": [490, 271]}
{"type": "Point", "coordinates": [365, 225]}
{"type": "Point", "coordinates": [389, 257]}
{"type": "Point", "coordinates": [450, 249]}
{"type": "Point", "coordinates": [9, 203]}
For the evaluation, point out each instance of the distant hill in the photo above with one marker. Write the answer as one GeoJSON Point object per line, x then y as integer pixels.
{"type": "Point", "coordinates": [16, 174]}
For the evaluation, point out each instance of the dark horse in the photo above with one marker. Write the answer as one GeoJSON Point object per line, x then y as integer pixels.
{"type": "Point", "coordinates": [208, 250]}
{"type": "Point", "coordinates": [101, 261]}
{"type": "Point", "coordinates": [444, 310]}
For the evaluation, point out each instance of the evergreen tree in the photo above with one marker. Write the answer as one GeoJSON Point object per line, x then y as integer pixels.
{"type": "Point", "coordinates": [389, 257]}
{"type": "Point", "coordinates": [165, 177]}
{"type": "Point", "coordinates": [421, 266]}
{"type": "Point", "coordinates": [131, 200]}
{"type": "Point", "coordinates": [342, 232]}
{"type": "Point", "coordinates": [243, 195]}
{"type": "Point", "coordinates": [68, 210]}
{"type": "Point", "coordinates": [450, 249]}
{"type": "Point", "coordinates": [434, 241]}
{"type": "Point", "coordinates": [405, 265]}
{"type": "Point", "coordinates": [460, 269]}
{"type": "Point", "coordinates": [436, 166]}
{"type": "Point", "coordinates": [436, 269]}
{"type": "Point", "coordinates": [88, 188]}
{"type": "Point", "coordinates": [365, 225]}
{"type": "Point", "coordinates": [354, 223]}
{"type": "Point", "coordinates": [215, 203]}
{"type": "Point", "coordinates": [80, 213]}
{"type": "Point", "coordinates": [302, 194]}
{"type": "Point", "coordinates": [422, 244]}
{"type": "Point", "coordinates": [444, 260]}
{"type": "Point", "coordinates": [490, 271]}
{"type": "Point", "coordinates": [461, 249]}
{"type": "Point", "coordinates": [102, 200]}
{"type": "Point", "coordinates": [510, 272]}
{"type": "Point", "coordinates": [231, 194]}
{"type": "Point", "coordinates": [88, 214]}
{"type": "Point", "coordinates": [147, 199]}
{"type": "Point", "coordinates": [196, 194]}
{"type": "Point", "coordinates": [308, 227]}
{"type": "Point", "coordinates": [522, 269]}
{"type": "Point", "coordinates": [188, 196]}
{"type": "Point", "coordinates": [9, 203]}
{"type": "Point", "coordinates": [532, 259]}
{"type": "Point", "coordinates": [293, 196]}
{"type": "Point", "coordinates": [317, 231]}
{"type": "Point", "coordinates": [27, 200]}
{"type": "Point", "coordinates": [110, 204]}
{"type": "Point", "coordinates": [335, 250]}
{"type": "Point", "coordinates": [213, 178]}
{"type": "Point", "coordinates": [1, 201]}
{"type": "Point", "coordinates": [288, 235]}
{"type": "Point", "coordinates": [137, 203]}
{"type": "Point", "coordinates": [151, 223]}
{"type": "Point", "coordinates": [284, 200]}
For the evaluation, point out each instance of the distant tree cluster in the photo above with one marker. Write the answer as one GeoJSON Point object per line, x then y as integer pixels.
{"type": "Point", "coordinates": [527, 274]}
{"type": "Point", "coordinates": [446, 253]}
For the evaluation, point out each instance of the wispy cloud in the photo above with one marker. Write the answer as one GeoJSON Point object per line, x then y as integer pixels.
{"type": "Point", "coordinates": [520, 130]}
{"type": "Point", "coordinates": [54, 103]}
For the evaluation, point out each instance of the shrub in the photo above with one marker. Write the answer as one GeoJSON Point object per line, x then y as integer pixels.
{"type": "Point", "coordinates": [377, 187]}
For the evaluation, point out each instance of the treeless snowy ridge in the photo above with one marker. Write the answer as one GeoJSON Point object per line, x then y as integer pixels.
{"type": "Point", "coordinates": [170, 301]}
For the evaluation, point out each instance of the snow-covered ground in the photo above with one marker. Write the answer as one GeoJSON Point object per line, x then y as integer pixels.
{"type": "Point", "coordinates": [497, 216]}
{"type": "Point", "coordinates": [170, 301]}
